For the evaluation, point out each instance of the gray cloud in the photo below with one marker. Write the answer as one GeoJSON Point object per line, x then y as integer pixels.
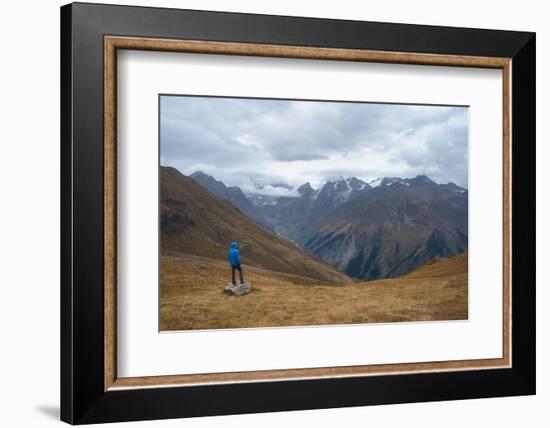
{"type": "Point", "coordinates": [248, 141]}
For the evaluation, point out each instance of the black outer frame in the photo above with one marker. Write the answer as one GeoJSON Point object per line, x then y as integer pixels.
{"type": "Point", "coordinates": [83, 399]}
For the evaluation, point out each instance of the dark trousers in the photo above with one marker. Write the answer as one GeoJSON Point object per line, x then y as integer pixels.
{"type": "Point", "coordinates": [233, 268]}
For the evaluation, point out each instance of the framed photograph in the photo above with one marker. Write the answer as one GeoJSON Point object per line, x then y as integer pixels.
{"type": "Point", "coordinates": [265, 213]}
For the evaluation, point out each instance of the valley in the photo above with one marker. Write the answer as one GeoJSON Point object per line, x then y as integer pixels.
{"type": "Point", "coordinates": [381, 229]}
{"type": "Point", "coordinates": [197, 222]}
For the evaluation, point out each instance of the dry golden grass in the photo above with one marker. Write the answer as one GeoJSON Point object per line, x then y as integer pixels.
{"type": "Point", "coordinates": [192, 296]}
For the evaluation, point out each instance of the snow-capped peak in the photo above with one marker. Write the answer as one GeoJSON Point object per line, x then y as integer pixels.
{"type": "Point", "coordinates": [376, 182]}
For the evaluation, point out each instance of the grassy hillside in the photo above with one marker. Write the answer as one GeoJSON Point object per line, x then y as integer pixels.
{"type": "Point", "coordinates": [197, 222]}
{"type": "Point", "coordinates": [457, 265]}
{"type": "Point", "coordinates": [192, 296]}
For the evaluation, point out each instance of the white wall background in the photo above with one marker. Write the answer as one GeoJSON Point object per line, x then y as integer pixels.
{"type": "Point", "coordinates": [29, 218]}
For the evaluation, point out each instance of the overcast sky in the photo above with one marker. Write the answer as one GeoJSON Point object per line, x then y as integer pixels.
{"type": "Point", "coordinates": [253, 143]}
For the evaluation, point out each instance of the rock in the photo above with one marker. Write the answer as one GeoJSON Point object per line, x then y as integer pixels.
{"type": "Point", "coordinates": [238, 289]}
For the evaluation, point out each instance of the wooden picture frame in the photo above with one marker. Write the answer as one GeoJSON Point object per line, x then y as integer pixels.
{"type": "Point", "coordinates": [91, 390]}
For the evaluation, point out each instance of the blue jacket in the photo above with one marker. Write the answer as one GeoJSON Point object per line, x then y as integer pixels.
{"type": "Point", "coordinates": [234, 256]}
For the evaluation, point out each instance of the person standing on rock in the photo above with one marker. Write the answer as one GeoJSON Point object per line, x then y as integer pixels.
{"type": "Point", "coordinates": [235, 262]}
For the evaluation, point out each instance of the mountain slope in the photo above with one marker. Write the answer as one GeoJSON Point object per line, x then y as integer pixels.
{"type": "Point", "coordinates": [390, 229]}
{"type": "Point", "coordinates": [437, 268]}
{"type": "Point", "coordinates": [195, 221]}
{"type": "Point", "coordinates": [231, 194]}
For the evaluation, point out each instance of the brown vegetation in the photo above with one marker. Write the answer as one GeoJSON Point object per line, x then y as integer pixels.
{"type": "Point", "coordinates": [192, 296]}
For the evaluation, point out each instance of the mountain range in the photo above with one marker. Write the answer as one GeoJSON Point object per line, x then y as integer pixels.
{"type": "Point", "coordinates": [367, 230]}
{"type": "Point", "coordinates": [391, 229]}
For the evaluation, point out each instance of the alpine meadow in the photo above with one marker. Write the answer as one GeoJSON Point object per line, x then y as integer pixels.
{"type": "Point", "coordinates": [285, 213]}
